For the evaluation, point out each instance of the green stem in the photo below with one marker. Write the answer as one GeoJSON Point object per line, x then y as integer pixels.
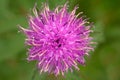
{"type": "Point", "coordinates": [34, 74]}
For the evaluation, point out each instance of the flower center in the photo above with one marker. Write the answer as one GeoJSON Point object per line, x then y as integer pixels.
{"type": "Point", "coordinates": [58, 43]}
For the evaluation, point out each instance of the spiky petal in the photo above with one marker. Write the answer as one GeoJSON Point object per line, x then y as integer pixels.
{"type": "Point", "coordinates": [59, 40]}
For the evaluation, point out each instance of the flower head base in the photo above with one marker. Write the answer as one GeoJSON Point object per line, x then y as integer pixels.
{"type": "Point", "coordinates": [59, 40]}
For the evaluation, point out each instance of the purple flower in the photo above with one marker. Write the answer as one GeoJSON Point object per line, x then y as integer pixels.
{"type": "Point", "coordinates": [58, 39]}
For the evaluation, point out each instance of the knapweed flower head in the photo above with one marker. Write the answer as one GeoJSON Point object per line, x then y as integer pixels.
{"type": "Point", "coordinates": [58, 39]}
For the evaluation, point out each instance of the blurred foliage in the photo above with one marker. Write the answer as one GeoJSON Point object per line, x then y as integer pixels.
{"type": "Point", "coordinates": [103, 64]}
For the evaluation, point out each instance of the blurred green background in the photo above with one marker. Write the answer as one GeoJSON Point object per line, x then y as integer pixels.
{"type": "Point", "coordinates": [104, 62]}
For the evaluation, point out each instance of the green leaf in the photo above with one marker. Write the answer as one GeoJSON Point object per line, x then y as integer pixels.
{"type": "Point", "coordinates": [98, 32]}
{"type": "Point", "coordinates": [11, 24]}
{"type": "Point", "coordinates": [73, 75]}
{"type": "Point", "coordinates": [10, 45]}
{"type": "Point", "coordinates": [4, 11]}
